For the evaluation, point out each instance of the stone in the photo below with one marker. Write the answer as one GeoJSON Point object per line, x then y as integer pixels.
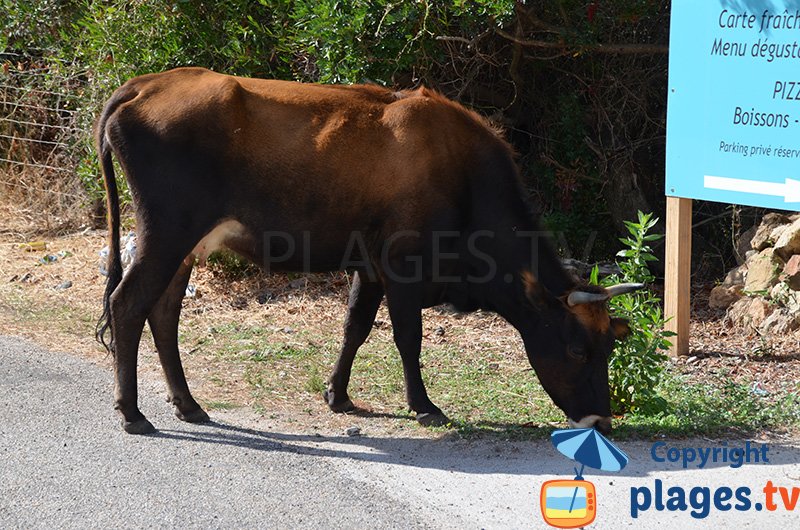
{"type": "Point", "coordinates": [779, 322]}
{"type": "Point", "coordinates": [353, 431]}
{"type": "Point", "coordinates": [763, 271]}
{"type": "Point", "coordinates": [299, 283]}
{"type": "Point", "coordinates": [748, 312]}
{"type": "Point", "coordinates": [769, 222]}
{"type": "Point", "coordinates": [743, 244]}
{"type": "Point", "coordinates": [722, 297]}
{"type": "Point", "coordinates": [792, 303]}
{"type": "Point", "coordinates": [265, 296]}
{"type": "Point", "coordinates": [779, 291]}
{"type": "Point", "coordinates": [788, 244]}
{"type": "Point", "coordinates": [581, 270]}
{"type": "Point", "coordinates": [736, 276]}
{"type": "Point", "coordinates": [791, 273]}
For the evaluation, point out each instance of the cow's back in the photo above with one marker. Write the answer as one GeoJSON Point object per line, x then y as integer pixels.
{"type": "Point", "coordinates": [282, 155]}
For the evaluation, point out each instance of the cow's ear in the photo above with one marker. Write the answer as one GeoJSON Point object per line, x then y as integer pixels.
{"type": "Point", "coordinates": [620, 328]}
{"type": "Point", "coordinates": [535, 292]}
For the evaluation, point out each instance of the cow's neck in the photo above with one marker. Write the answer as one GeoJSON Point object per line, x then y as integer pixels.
{"type": "Point", "coordinates": [519, 245]}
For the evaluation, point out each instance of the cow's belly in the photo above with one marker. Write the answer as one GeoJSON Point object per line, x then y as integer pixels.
{"type": "Point", "coordinates": [289, 251]}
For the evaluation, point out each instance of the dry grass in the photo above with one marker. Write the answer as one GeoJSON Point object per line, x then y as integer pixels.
{"type": "Point", "coordinates": [304, 313]}
{"type": "Point", "coordinates": [41, 203]}
{"type": "Point", "coordinates": [267, 343]}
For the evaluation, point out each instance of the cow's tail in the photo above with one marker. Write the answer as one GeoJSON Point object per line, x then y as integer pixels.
{"type": "Point", "coordinates": [114, 263]}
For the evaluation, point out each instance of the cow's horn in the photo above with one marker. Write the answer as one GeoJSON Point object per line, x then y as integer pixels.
{"type": "Point", "coordinates": [623, 288]}
{"type": "Point", "coordinates": [582, 297]}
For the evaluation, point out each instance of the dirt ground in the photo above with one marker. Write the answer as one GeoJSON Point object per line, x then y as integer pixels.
{"type": "Point", "coordinates": [55, 302]}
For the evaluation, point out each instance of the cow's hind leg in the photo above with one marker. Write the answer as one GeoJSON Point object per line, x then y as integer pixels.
{"type": "Point", "coordinates": [405, 310]}
{"type": "Point", "coordinates": [132, 301]}
{"type": "Point", "coordinates": [163, 322]}
{"type": "Point", "coordinates": [365, 298]}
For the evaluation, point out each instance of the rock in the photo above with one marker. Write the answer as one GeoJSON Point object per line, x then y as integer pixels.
{"type": "Point", "coordinates": [722, 297]}
{"type": "Point", "coordinates": [572, 267]}
{"type": "Point", "coordinates": [769, 222]}
{"type": "Point", "coordinates": [608, 269]}
{"type": "Point", "coordinates": [736, 276]}
{"type": "Point", "coordinates": [299, 283]}
{"type": "Point", "coordinates": [779, 291]}
{"type": "Point", "coordinates": [792, 303]}
{"type": "Point", "coordinates": [786, 297]}
{"type": "Point", "coordinates": [788, 244]}
{"type": "Point", "coordinates": [791, 273]}
{"type": "Point", "coordinates": [439, 331]}
{"type": "Point", "coordinates": [778, 232]}
{"type": "Point", "coordinates": [743, 244]}
{"type": "Point", "coordinates": [63, 286]}
{"type": "Point", "coordinates": [779, 322]}
{"type": "Point", "coordinates": [763, 271]}
{"type": "Point", "coordinates": [239, 302]}
{"type": "Point", "coordinates": [353, 431]}
{"type": "Point", "coordinates": [748, 312]}
{"type": "Point", "coordinates": [581, 270]}
{"type": "Point", "coordinates": [266, 296]}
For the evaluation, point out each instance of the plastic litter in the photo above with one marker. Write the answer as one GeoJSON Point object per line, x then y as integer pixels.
{"type": "Point", "coordinates": [127, 254]}
{"type": "Point", "coordinates": [759, 390]}
{"type": "Point", "coordinates": [52, 258]}
{"type": "Point", "coordinates": [33, 246]}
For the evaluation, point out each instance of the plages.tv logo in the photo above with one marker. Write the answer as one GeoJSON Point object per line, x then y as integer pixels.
{"type": "Point", "coordinates": [573, 503]}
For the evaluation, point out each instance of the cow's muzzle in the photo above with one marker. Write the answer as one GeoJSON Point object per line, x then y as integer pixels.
{"type": "Point", "coordinates": [601, 423]}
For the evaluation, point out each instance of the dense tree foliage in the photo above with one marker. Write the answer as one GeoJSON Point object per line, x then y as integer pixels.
{"type": "Point", "coordinates": [579, 85]}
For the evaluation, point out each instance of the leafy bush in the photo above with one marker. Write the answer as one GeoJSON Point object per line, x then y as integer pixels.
{"type": "Point", "coordinates": [637, 364]}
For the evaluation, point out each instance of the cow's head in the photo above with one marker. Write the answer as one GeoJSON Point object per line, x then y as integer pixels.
{"type": "Point", "coordinates": [568, 341]}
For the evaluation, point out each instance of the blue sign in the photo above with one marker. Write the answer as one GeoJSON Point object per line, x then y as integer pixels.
{"type": "Point", "coordinates": [733, 115]}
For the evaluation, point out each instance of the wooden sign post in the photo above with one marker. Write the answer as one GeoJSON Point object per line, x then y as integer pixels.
{"type": "Point", "coordinates": [677, 283]}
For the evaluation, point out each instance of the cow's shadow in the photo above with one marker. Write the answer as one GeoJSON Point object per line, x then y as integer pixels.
{"type": "Point", "coordinates": [483, 455]}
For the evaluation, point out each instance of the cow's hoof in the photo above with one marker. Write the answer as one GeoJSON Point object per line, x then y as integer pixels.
{"type": "Point", "coordinates": [344, 406]}
{"type": "Point", "coordinates": [138, 427]}
{"type": "Point", "coordinates": [432, 419]}
{"type": "Point", "coordinates": [197, 415]}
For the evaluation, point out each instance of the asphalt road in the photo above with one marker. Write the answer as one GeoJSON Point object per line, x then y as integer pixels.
{"type": "Point", "coordinates": [65, 463]}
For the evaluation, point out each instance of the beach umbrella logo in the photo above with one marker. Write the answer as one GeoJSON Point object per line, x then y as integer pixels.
{"type": "Point", "coordinates": [573, 503]}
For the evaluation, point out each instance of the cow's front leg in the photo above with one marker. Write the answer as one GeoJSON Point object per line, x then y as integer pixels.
{"type": "Point", "coordinates": [405, 310]}
{"type": "Point", "coordinates": [365, 298]}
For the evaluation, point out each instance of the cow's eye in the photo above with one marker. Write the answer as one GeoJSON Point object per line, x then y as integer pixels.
{"type": "Point", "coordinates": [578, 354]}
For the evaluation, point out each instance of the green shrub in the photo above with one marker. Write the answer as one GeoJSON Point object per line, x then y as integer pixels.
{"type": "Point", "coordinates": [637, 363]}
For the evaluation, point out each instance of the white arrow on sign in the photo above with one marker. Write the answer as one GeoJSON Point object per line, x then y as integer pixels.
{"type": "Point", "coordinates": [789, 189]}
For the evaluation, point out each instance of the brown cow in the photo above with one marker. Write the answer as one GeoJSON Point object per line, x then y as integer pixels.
{"type": "Point", "coordinates": [417, 195]}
